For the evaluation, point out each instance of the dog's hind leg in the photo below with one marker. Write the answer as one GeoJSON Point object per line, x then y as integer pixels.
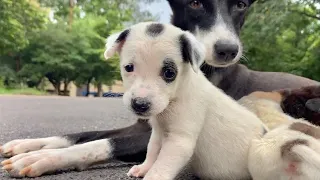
{"type": "Point", "coordinates": [33, 164]}
{"type": "Point", "coordinates": [26, 145]}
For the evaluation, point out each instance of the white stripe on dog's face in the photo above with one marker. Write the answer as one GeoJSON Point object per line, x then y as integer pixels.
{"type": "Point", "coordinates": [216, 23]}
{"type": "Point", "coordinates": [219, 34]}
{"type": "Point", "coordinates": [220, 39]}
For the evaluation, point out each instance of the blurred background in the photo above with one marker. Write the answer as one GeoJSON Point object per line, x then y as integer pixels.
{"type": "Point", "coordinates": [55, 47]}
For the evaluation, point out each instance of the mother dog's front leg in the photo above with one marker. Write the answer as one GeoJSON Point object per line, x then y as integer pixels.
{"type": "Point", "coordinates": [80, 156]}
{"type": "Point", "coordinates": [175, 153]}
{"type": "Point", "coordinates": [36, 163]}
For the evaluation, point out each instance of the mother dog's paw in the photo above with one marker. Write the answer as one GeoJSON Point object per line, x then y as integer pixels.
{"type": "Point", "coordinates": [19, 146]}
{"type": "Point", "coordinates": [34, 164]}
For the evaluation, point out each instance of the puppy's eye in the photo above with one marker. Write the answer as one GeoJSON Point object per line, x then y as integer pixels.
{"type": "Point", "coordinates": [169, 74]}
{"type": "Point", "coordinates": [195, 4]}
{"type": "Point", "coordinates": [241, 5]}
{"type": "Point", "coordinates": [129, 68]}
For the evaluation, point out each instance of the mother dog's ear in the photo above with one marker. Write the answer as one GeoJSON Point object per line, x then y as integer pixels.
{"type": "Point", "coordinates": [115, 43]}
{"type": "Point", "coordinates": [192, 51]}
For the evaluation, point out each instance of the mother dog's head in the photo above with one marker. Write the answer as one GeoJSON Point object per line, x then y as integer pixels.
{"type": "Point", "coordinates": [216, 23]}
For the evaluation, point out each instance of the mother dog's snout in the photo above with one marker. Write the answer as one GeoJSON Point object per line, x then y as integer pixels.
{"type": "Point", "coordinates": [140, 105]}
{"type": "Point", "coordinates": [225, 51]}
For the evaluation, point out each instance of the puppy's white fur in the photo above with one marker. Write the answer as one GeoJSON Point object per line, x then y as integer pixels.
{"type": "Point", "coordinates": [192, 121]}
{"type": "Point", "coordinates": [269, 111]}
{"type": "Point", "coordinates": [290, 151]}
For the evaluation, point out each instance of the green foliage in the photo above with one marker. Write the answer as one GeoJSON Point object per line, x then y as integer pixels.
{"type": "Point", "coordinates": [8, 77]}
{"type": "Point", "coordinates": [53, 53]}
{"type": "Point", "coordinates": [278, 36]}
{"type": "Point", "coordinates": [17, 19]}
{"type": "Point", "coordinates": [70, 48]}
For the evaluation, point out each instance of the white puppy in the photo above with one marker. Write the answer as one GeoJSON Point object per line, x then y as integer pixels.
{"type": "Point", "coordinates": [192, 121]}
{"type": "Point", "coordinates": [290, 151]}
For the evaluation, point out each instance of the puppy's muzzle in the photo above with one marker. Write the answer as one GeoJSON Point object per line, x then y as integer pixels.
{"type": "Point", "coordinates": [140, 105]}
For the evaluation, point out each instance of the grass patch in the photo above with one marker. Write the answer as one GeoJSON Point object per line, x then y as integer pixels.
{"type": "Point", "coordinates": [22, 91]}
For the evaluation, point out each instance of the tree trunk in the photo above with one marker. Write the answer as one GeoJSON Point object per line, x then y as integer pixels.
{"type": "Point", "coordinates": [99, 87]}
{"type": "Point", "coordinates": [88, 87]}
{"type": "Point", "coordinates": [56, 88]}
{"type": "Point", "coordinates": [65, 88]}
{"type": "Point", "coordinates": [71, 7]}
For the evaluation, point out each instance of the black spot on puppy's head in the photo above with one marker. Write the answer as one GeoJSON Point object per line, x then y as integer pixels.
{"type": "Point", "coordinates": [123, 36]}
{"type": "Point", "coordinates": [154, 29]}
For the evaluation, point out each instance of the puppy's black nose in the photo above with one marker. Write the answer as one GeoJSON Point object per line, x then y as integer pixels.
{"type": "Point", "coordinates": [140, 105]}
{"type": "Point", "coordinates": [225, 50]}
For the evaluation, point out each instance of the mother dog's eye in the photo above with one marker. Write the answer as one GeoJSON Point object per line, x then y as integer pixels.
{"type": "Point", "coordinates": [169, 74]}
{"type": "Point", "coordinates": [129, 68]}
{"type": "Point", "coordinates": [195, 4]}
{"type": "Point", "coordinates": [241, 5]}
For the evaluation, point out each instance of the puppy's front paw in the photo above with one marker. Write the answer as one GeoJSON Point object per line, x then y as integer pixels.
{"type": "Point", "coordinates": [36, 163]}
{"type": "Point", "coordinates": [138, 171]}
{"type": "Point", "coordinates": [20, 146]}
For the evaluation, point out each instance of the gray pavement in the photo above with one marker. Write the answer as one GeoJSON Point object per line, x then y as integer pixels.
{"type": "Point", "coordinates": [34, 117]}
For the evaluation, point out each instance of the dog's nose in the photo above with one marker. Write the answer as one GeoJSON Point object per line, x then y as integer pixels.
{"type": "Point", "coordinates": [225, 50]}
{"type": "Point", "coordinates": [140, 105]}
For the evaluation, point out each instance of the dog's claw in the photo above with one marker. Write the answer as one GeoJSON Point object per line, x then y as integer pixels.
{"type": "Point", "coordinates": [6, 162]}
{"type": "Point", "coordinates": [25, 171]}
{"type": "Point", "coordinates": [7, 167]}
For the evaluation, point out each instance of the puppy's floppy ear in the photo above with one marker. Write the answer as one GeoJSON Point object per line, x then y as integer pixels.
{"type": "Point", "coordinates": [115, 43]}
{"type": "Point", "coordinates": [192, 50]}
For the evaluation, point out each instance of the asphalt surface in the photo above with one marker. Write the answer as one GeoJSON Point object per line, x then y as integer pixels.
{"type": "Point", "coordinates": [33, 117]}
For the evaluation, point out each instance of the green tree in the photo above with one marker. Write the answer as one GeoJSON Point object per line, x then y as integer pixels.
{"type": "Point", "coordinates": [279, 37]}
{"type": "Point", "coordinates": [71, 47]}
{"type": "Point", "coordinates": [55, 54]}
{"type": "Point", "coordinates": [17, 19]}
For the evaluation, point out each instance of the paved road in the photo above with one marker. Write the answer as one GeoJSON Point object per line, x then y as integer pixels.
{"type": "Point", "coordinates": [32, 117]}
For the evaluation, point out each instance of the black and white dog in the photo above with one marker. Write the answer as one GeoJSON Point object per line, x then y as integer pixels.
{"type": "Point", "coordinates": [217, 24]}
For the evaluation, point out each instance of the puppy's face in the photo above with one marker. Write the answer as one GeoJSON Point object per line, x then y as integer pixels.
{"type": "Point", "coordinates": [216, 23]}
{"type": "Point", "coordinates": [154, 60]}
